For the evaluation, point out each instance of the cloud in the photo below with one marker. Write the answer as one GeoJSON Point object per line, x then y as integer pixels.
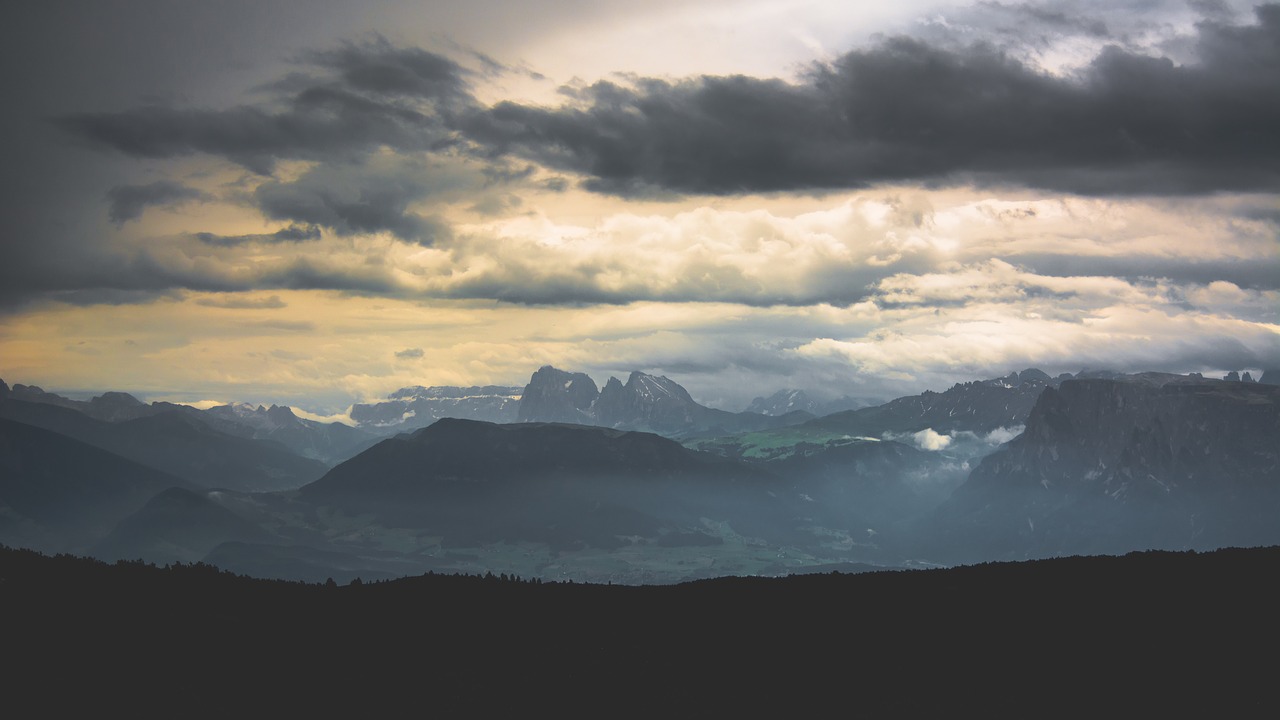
{"type": "Point", "coordinates": [291, 326]}
{"type": "Point", "coordinates": [291, 234]}
{"type": "Point", "coordinates": [364, 198]}
{"type": "Point", "coordinates": [1002, 435]}
{"type": "Point", "coordinates": [896, 250]}
{"type": "Point", "coordinates": [987, 340]}
{"type": "Point", "coordinates": [378, 68]}
{"type": "Point", "coordinates": [929, 439]}
{"type": "Point", "coordinates": [373, 95]}
{"type": "Point", "coordinates": [930, 109]}
{"type": "Point", "coordinates": [409, 353]}
{"type": "Point", "coordinates": [237, 302]}
{"type": "Point", "coordinates": [127, 202]}
{"type": "Point", "coordinates": [906, 110]}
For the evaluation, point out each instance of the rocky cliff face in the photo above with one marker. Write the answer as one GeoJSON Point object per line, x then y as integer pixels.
{"type": "Point", "coordinates": [554, 395]}
{"type": "Point", "coordinates": [1112, 465]}
{"type": "Point", "coordinates": [646, 401]}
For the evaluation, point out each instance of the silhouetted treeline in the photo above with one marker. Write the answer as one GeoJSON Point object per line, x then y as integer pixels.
{"type": "Point", "coordinates": [1141, 635]}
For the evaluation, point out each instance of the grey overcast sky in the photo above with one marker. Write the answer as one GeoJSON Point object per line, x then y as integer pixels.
{"type": "Point", "coordinates": [315, 203]}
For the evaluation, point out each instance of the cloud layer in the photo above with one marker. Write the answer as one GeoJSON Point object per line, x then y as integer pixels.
{"type": "Point", "coordinates": [906, 109]}
{"type": "Point", "coordinates": [1072, 184]}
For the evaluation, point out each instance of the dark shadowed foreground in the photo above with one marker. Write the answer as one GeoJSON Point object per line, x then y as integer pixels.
{"type": "Point", "coordinates": [1143, 635]}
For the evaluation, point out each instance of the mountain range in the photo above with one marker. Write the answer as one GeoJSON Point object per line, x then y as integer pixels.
{"type": "Point", "coordinates": [638, 483]}
{"type": "Point", "coordinates": [790, 400]}
{"type": "Point", "coordinates": [415, 407]}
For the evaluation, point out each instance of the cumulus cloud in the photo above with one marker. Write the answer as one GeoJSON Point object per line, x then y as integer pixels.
{"type": "Point", "coordinates": [930, 439]}
{"type": "Point", "coordinates": [409, 353]}
{"type": "Point", "coordinates": [874, 253]}
{"type": "Point", "coordinates": [127, 202]}
{"type": "Point", "coordinates": [981, 340]}
{"type": "Point", "coordinates": [1002, 435]}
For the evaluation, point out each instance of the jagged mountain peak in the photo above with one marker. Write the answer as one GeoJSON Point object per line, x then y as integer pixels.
{"type": "Point", "coordinates": [658, 387]}
{"type": "Point", "coordinates": [555, 395]}
{"type": "Point", "coordinates": [281, 412]}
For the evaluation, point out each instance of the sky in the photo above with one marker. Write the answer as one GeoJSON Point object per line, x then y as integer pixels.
{"type": "Point", "coordinates": [318, 203]}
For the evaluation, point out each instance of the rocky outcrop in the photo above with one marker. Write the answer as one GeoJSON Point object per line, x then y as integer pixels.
{"type": "Point", "coordinates": [554, 395]}
{"type": "Point", "coordinates": [1147, 461]}
{"type": "Point", "coordinates": [648, 403]}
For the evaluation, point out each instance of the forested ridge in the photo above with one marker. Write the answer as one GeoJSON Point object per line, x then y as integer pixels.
{"type": "Point", "coordinates": [1146, 632]}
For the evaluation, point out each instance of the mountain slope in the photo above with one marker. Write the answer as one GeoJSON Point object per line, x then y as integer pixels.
{"type": "Point", "coordinates": [180, 443]}
{"type": "Point", "coordinates": [59, 494]}
{"type": "Point", "coordinates": [790, 400]}
{"type": "Point", "coordinates": [562, 484]}
{"type": "Point", "coordinates": [1111, 465]}
{"type": "Point", "coordinates": [176, 525]}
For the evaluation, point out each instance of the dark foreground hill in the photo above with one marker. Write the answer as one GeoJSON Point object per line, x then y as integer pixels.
{"type": "Point", "coordinates": [1154, 634]}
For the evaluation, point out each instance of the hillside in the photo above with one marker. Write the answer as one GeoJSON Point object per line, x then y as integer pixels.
{"type": "Point", "coordinates": [1147, 634]}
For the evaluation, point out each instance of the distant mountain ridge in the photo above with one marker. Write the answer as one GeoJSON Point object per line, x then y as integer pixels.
{"type": "Point", "coordinates": [180, 443]}
{"type": "Point", "coordinates": [791, 399]}
{"type": "Point", "coordinates": [980, 406]}
{"type": "Point", "coordinates": [326, 442]}
{"type": "Point", "coordinates": [415, 407]}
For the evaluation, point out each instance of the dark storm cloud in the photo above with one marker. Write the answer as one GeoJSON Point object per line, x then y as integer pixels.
{"type": "Point", "coordinates": [141, 278]}
{"type": "Point", "coordinates": [353, 201]}
{"type": "Point", "coordinates": [127, 202]}
{"type": "Point", "coordinates": [293, 233]}
{"type": "Point", "coordinates": [904, 110]}
{"type": "Point", "coordinates": [908, 111]}
{"type": "Point", "coordinates": [382, 69]}
{"type": "Point", "coordinates": [374, 95]}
